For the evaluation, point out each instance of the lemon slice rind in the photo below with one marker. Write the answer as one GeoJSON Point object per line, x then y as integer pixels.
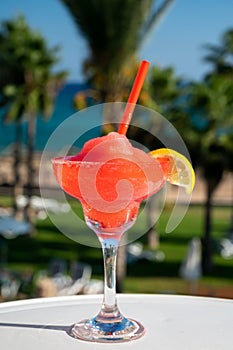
{"type": "Point", "coordinates": [181, 172]}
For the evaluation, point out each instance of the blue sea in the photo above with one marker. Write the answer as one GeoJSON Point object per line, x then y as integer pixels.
{"type": "Point", "coordinates": [64, 108]}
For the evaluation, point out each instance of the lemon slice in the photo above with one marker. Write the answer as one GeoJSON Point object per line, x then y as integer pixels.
{"type": "Point", "coordinates": [176, 167]}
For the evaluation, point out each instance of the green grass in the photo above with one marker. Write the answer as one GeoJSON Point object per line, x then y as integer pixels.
{"type": "Point", "coordinates": [163, 277]}
{"type": "Point", "coordinates": [6, 201]}
{"type": "Point", "coordinates": [47, 242]}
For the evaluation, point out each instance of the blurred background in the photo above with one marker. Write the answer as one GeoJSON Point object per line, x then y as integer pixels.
{"type": "Point", "coordinates": [59, 58]}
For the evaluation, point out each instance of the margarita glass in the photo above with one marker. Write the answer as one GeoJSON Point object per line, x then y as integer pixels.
{"type": "Point", "coordinates": [110, 178]}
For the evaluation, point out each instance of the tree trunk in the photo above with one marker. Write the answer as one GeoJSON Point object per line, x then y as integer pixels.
{"type": "Point", "coordinates": [31, 135]}
{"type": "Point", "coordinates": [206, 241]}
{"type": "Point", "coordinates": [231, 222]}
{"type": "Point", "coordinates": [18, 186]}
{"type": "Point", "coordinates": [121, 268]}
{"type": "Point", "coordinates": [152, 234]}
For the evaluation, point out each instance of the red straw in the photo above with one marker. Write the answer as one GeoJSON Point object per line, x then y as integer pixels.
{"type": "Point", "coordinates": [133, 97]}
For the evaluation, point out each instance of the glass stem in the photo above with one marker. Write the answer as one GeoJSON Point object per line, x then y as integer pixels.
{"type": "Point", "coordinates": [109, 308]}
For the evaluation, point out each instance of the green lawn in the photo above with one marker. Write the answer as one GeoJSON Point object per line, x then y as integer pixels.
{"type": "Point", "coordinates": [36, 251]}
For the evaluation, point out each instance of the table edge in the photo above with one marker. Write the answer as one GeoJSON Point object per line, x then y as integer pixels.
{"type": "Point", "coordinates": [98, 297]}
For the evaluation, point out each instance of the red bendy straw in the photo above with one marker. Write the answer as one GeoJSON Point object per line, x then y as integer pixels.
{"type": "Point", "coordinates": [133, 97]}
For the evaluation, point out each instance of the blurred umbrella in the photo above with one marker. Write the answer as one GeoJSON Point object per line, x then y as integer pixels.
{"type": "Point", "coordinates": [12, 228]}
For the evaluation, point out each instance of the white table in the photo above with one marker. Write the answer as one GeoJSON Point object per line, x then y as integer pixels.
{"type": "Point", "coordinates": [172, 322]}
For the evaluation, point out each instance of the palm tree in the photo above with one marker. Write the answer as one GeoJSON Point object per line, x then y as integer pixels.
{"type": "Point", "coordinates": [27, 85]}
{"type": "Point", "coordinates": [216, 97]}
{"type": "Point", "coordinates": [213, 102]}
{"type": "Point", "coordinates": [114, 30]}
{"type": "Point", "coordinates": [220, 56]}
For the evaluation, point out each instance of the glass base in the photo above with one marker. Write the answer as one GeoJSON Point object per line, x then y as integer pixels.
{"type": "Point", "coordinates": [107, 332]}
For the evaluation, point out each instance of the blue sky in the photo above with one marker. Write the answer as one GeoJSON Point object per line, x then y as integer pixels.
{"type": "Point", "coordinates": [178, 40]}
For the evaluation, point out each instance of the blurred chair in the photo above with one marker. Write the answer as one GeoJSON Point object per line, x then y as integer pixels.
{"type": "Point", "coordinates": [57, 266]}
{"type": "Point", "coordinates": [9, 285]}
{"type": "Point", "coordinates": [49, 282]}
{"type": "Point", "coordinates": [94, 287]}
{"type": "Point", "coordinates": [81, 271]}
{"type": "Point", "coordinates": [80, 274]}
{"type": "Point", "coordinates": [58, 273]}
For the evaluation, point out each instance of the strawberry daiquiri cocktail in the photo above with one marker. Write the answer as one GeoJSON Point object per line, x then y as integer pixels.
{"type": "Point", "coordinates": [110, 178]}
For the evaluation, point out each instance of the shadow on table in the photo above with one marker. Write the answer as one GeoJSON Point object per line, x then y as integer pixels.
{"type": "Point", "coordinates": [39, 326]}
